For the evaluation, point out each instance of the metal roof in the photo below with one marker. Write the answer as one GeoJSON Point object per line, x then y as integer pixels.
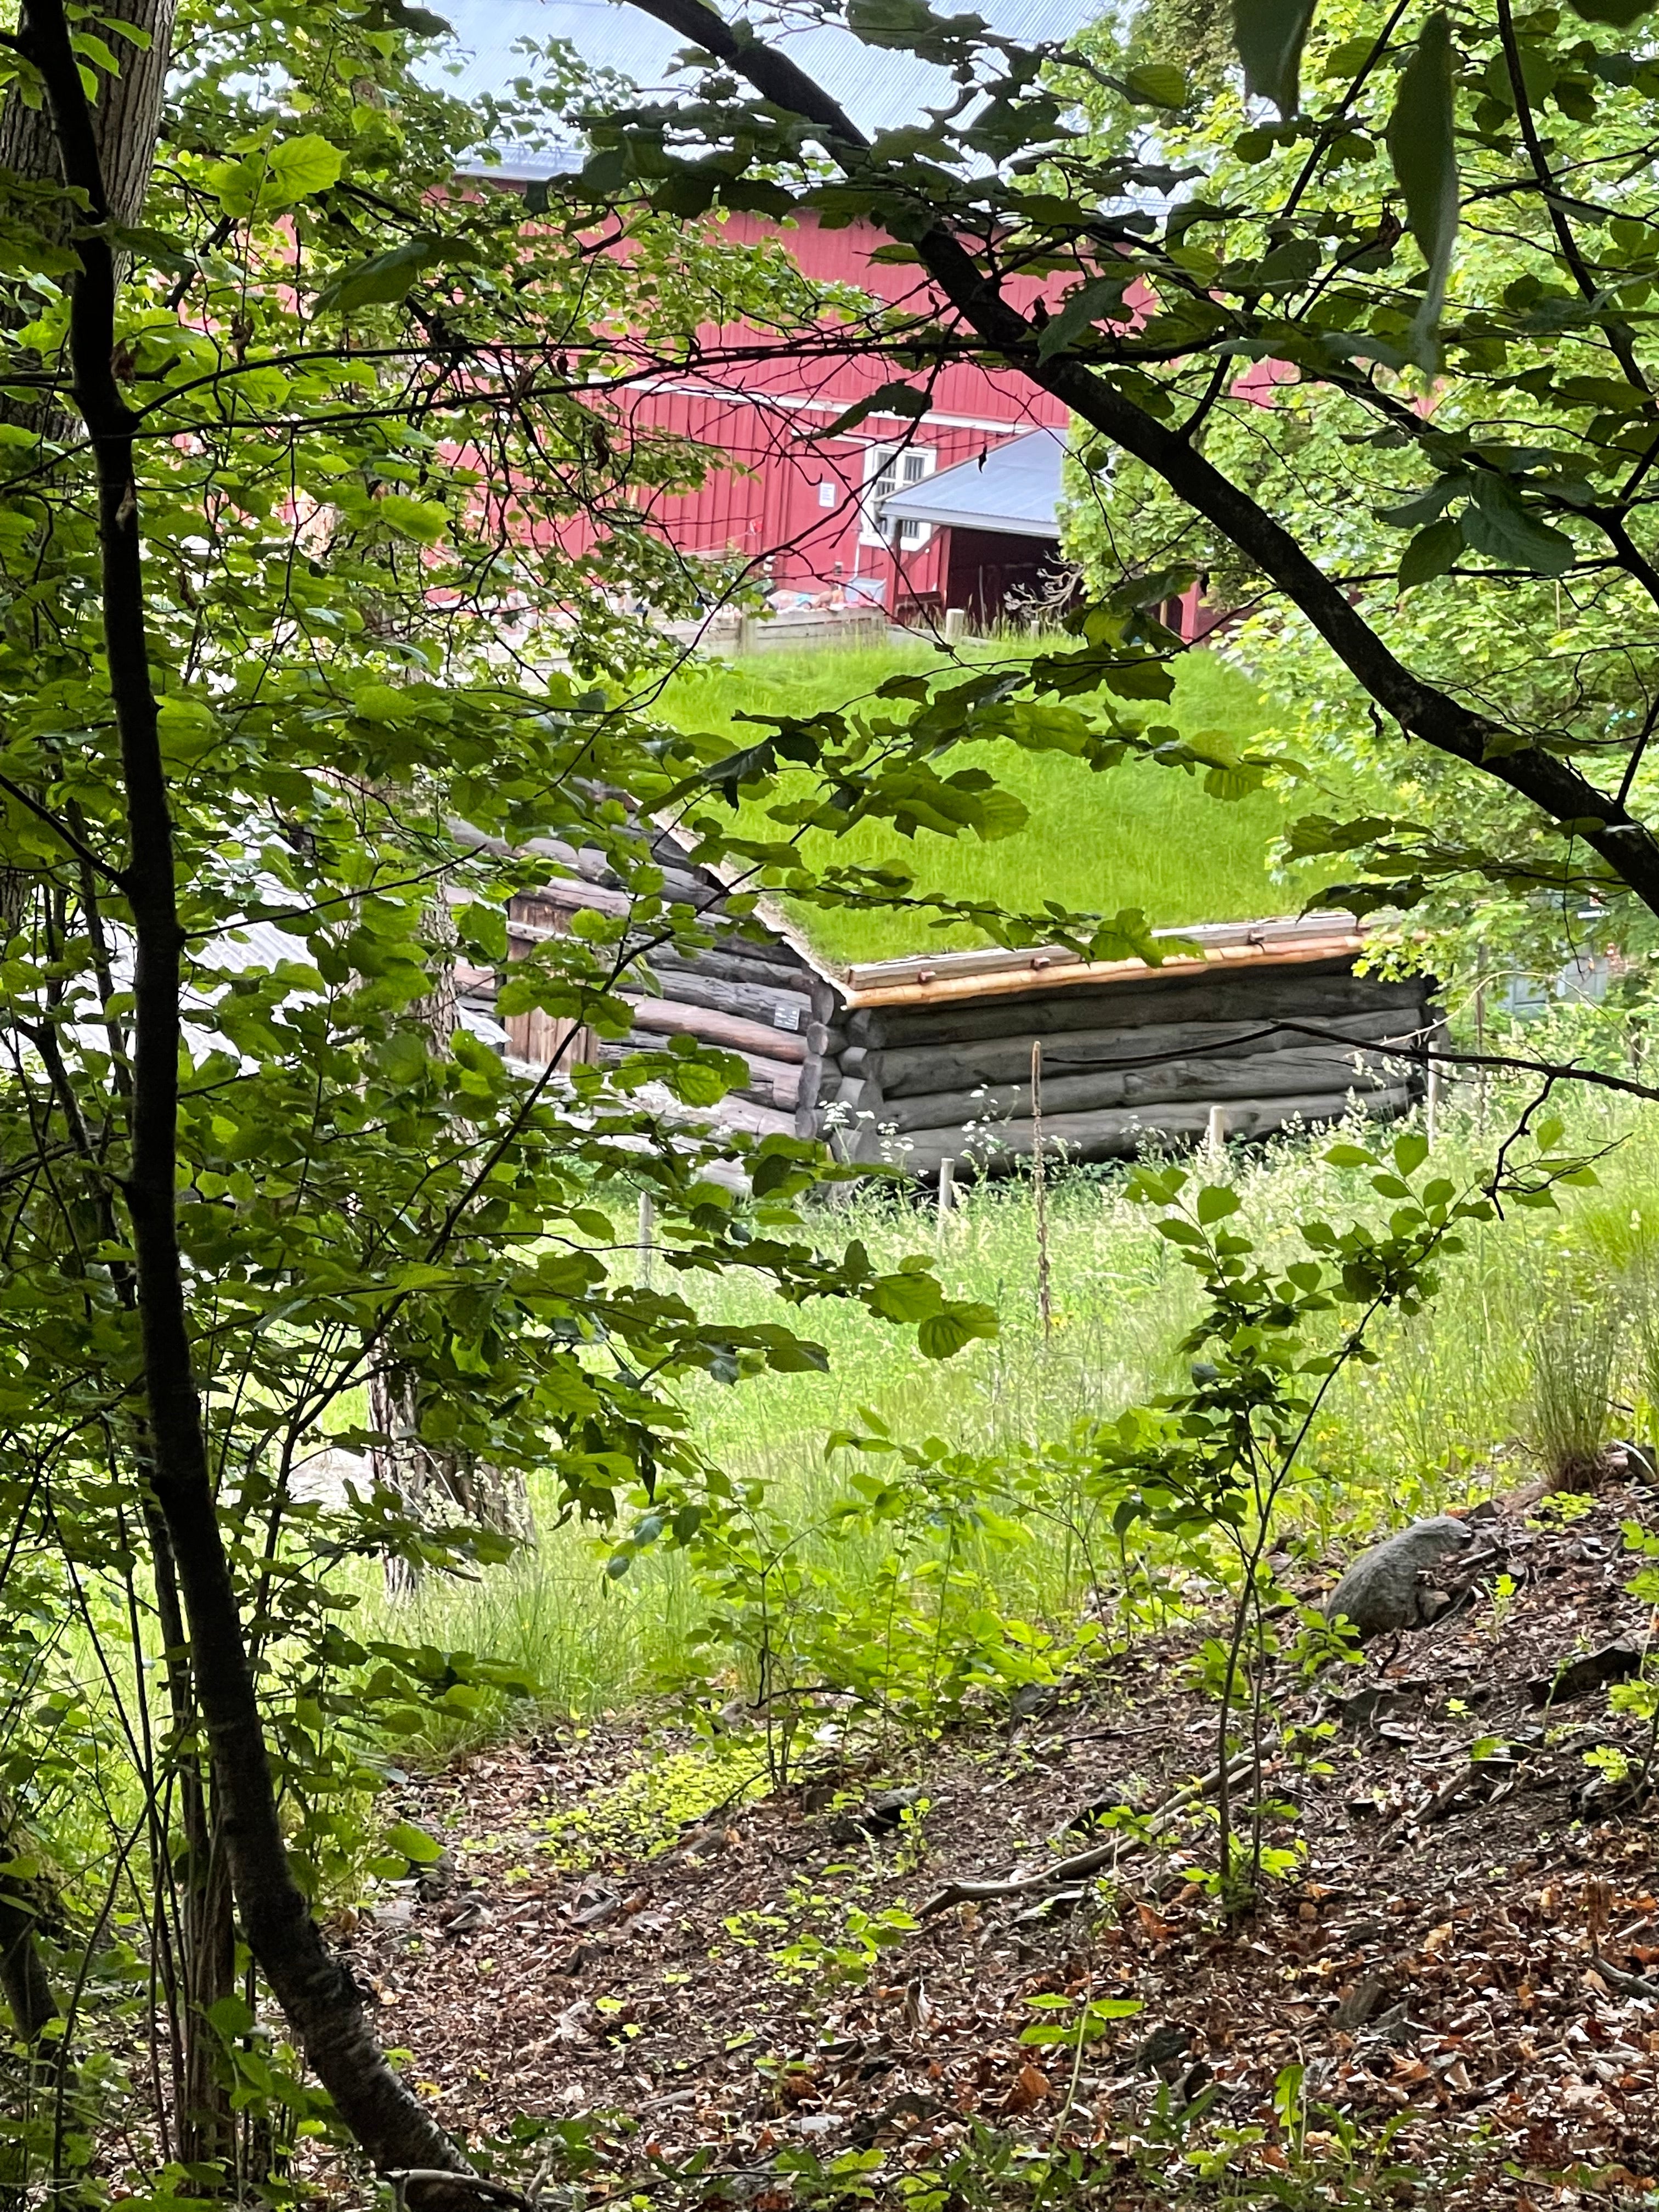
{"type": "Point", "coordinates": [882, 90]}
{"type": "Point", "coordinates": [1013, 489]}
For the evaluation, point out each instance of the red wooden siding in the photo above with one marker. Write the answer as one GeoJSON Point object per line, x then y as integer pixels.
{"type": "Point", "coordinates": [789, 502]}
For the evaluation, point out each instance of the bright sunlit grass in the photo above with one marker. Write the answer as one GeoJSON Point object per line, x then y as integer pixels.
{"type": "Point", "coordinates": [1134, 837]}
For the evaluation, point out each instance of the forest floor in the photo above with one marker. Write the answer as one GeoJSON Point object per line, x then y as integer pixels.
{"type": "Point", "coordinates": [1447, 2001]}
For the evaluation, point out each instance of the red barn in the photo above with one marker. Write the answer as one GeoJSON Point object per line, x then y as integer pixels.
{"type": "Point", "coordinates": [806, 511]}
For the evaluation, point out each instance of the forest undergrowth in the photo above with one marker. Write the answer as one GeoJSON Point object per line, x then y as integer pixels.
{"type": "Point", "coordinates": [1542, 1342]}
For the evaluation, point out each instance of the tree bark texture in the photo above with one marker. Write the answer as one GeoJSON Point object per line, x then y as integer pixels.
{"type": "Point", "coordinates": [313, 1989]}
{"type": "Point", "coordinates": [23, 1974]}
{"type": "Point", "coordinates": [126, 116]}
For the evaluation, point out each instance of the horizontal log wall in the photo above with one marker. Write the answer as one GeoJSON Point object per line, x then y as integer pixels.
{"type": "Point", "coordinates": [912, 1071]}
{"type": "Point", "coordinates": [1242, 995]}
{"type": "Point", "coordinates": [1141, 1057]}
{"type": "Point", "coordinates": [1119, 1135]}
{"type": "Point", "coordinates": [771, 1082]}
{"type": "Point", "coordinates": [1267, 1075]}
{"type": "Point", "coordinates": [1126, 1062]}
{"type": "Point", "coordinates": [749, 993]}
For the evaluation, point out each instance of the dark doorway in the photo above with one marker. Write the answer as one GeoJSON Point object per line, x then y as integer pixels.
{"type": "Point", "coordinates": [984, 567]}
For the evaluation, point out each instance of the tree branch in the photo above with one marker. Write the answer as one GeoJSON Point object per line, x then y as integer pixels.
{"type": "Point", "coordinates": [1421, 710]}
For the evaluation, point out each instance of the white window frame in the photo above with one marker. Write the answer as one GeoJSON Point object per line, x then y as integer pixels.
{"type": "Point", "coordinates": [907, 465]}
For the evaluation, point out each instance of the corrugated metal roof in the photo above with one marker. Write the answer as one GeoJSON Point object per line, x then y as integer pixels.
{"type": "Point", "coordinates": [880, 89]}
{"type": "Point", "coordinates": [1013, 489]}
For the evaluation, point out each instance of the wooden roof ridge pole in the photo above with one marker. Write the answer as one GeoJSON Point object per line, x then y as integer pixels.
{"type": "Point", "coordinates": [1311, 937]}
{"type": "Point", "coordinates": [1422, 710]}
{"type": "Point", "coordinates": [945, 990]}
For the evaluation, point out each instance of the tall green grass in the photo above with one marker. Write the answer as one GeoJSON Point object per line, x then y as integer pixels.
{"type": "Point", "coordinates": [1135, 835]}
{"type": "Point", "coordinates": [1459, 1405]}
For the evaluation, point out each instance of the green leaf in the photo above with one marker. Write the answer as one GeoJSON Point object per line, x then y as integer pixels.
{"type": "Point", "coordinates": [943, 1334]}
{"type": "Point", "coordinates": [425, 520]}
{"type": "Point", "coordinates": [1411, 1149]}
{"type": "Point", "coordinates": [1269, 35]}
{"type": "Point", "coordinates": [230, 2017]}
{"type": "Point", "coordinates": [382, 279]}
{"type": "Point", "coordinates": [907, 399]}
{"type": "Point", "coordinates": [1159, 84]}
{"type": "Point", "coordinates": [1139, 679]}
{"type": "Point", "coordinates": [301, 167]}
{"type": "Point", "coordinates": [1424, 506]}
{"type": "Point", "coordinates": [416, 1846]}
{"type": "Point", "coordinates": [1080, 310]}
{"type": "Point", "coordinates": [912, 25]}
{"type": "Point", "coordinates": [1216, 1201]}
{"type": "Point", "coordinates": [1424, 158]}
{"type": "Point", "coordinates": [906, 1297]}
{"type": "Point", "coordinates": [1499, 525]}
{"type": "Point", "coordinates": [1620, 13]}
{"type": "Point", "coordinates": [421, 22]}
{"type": "Point", "coordinates": [1432, 553]}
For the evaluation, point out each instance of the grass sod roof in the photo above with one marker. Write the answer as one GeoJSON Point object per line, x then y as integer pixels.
{"type": "Point", "coordinates": [1136, 835]}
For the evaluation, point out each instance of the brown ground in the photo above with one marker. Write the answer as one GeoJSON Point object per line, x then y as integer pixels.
{"type": "Point", "coordinates": [1445, 1965]}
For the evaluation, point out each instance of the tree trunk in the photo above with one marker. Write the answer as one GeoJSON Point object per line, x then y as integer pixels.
{"type": "Point", "coordinates": [22, 1971]}
{"type": "Point", "coordinates": [127, 120]}
{"type": "Point", "coordinates": [126, 116]}
{"type": "Point", "coordinates": [314, 1990]}
{"type": "Point", "coordinates": [208, 1929]}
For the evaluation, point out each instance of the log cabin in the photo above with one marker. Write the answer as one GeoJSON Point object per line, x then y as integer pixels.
{"type": "Point", "coordinates": [1245, 1029]}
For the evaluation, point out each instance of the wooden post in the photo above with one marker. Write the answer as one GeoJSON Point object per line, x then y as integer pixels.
{"type": "Point", "coordinates": [947, 1192]}
{"type": "Point", "coordinates": [648, 1223]}
{"type": "Point", "coordinates": [956, 625]}
{"type": "Point", "coordinates": [1215, 1139]}
{"type": "Point", "coordinates": [1040, 1191]}
{"type": "Point", "coordinates": [1480, 1039]}
{"type": "Point", "coordinates": [1431, 1103]}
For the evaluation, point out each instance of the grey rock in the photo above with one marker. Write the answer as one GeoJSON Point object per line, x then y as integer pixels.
{"type": "Point", "coordinates": [1579, 1678]}
{"type": "Point", "coordinates": [1161, 2051]}
{"type": "Point", "coordinates": [1369, 1707]}
{"type": "Point", "coordinates": [1393, 2026]}
{"type": "Point", "coordinates": [1381, 1594]}
{"type": "Point", "coordinates": [884, 1813]}
{"type": "Point", "coordinates": [593, 1910]}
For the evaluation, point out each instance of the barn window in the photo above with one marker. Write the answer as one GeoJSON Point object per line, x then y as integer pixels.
{"type": "Point", "coordinates": [888, 469]}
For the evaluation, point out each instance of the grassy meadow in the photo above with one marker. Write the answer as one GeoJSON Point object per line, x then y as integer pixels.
{"type": "Point", "coordinates": [1136, 837]}
{"type": "Point", "coordinates": [1547, 1316]}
